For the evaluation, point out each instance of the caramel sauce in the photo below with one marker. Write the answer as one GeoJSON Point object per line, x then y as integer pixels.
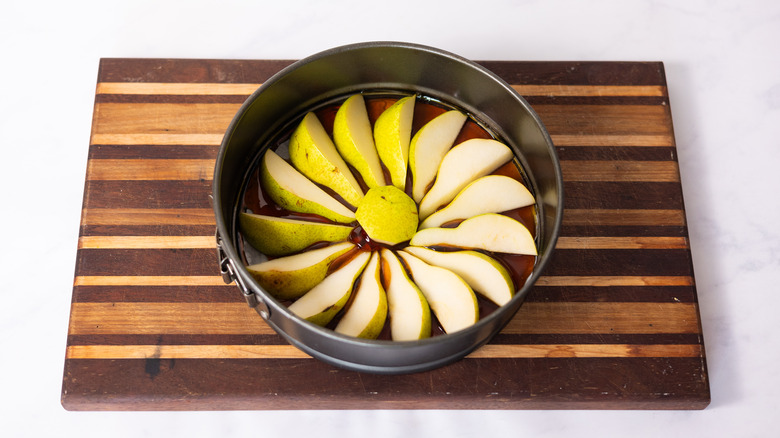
{"type": "Point", "coordinates": [255, 200]}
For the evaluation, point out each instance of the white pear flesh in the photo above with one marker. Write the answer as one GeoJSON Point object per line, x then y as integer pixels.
{"type": "Point", "coordinates": [410, 315]}
{"type": "Point", "coordinates": [367, 313]}
{"type": "Point", "coordinates": [354, 140]}
{"type": "Point", "coordinates": [428, 147]}
{"type": "Point", "coordinates": [489, 194]}
{"type": "Point", "coordinates": [327, 298]}
{"type": "Point", "coordinates": [392, 135]}
{"type": "Point", "coordinates": [313, 153]}
{"type": "Point", "coordinates": [450, 297]}
{"type": "Point", "coordinates": [277, 236]}
{"type": "Point", "coordinates": [460, 166]}
{"type": "Point", "coordinates": [292, 276]}
{"type": "Point", "coordinates": [484, 274]}
{"type": "Point", "coordinates": [292, 191]}
{"type": "Point", "coordinates": [490, 232]}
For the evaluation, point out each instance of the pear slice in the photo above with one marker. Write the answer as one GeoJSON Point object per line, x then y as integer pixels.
{"type": "Point", "coordinates": [292, 276]}
{"type": "Point", "coordinates": [450, 298]}
{"type": "Point", "coordinates": [410, 315]}
{"type": "Point", "coordinates": [490, 231]}
{"type": "Point", "coordinates": [326, 299]}
{"type": "Point", "coordinates": [387, 215]}
{"type": "Point", "coordinates": [293, 191]}
{"type": "Point", "coordinates": [313, 153]}
{"type": "Point", "coordinates": [392, 134]}
{"type": "Point", "coordinates": [276, 236]}
{"type": "Point", "coordinates": [366, 315]}
{"type": "Point", "coordinates": [460, 166]}
{"type": "Point", "coordinates": [355, 141]}
{"type": "Point", "coordinates": [428, 147]}
{"type": "Point", "coordinates": [483, 273]}
{"type": "Point", "coordinates": [489, 194]}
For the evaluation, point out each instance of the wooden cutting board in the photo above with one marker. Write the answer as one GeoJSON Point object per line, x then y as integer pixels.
{"type": "Point", "coordinates": [614, 323]}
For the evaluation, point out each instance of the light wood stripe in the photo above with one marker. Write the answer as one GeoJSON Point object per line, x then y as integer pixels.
{"type": "Point", "coordinates": [147, 216]}
{"type": "Point", "coordinates": [157, 139]}
{"type": "Point", "coordinates": [490, 351]}
{"type": "Point", "coordinates": [247, 89]}
{"type": "Point", "coordinates": [628, 242]}
{"type": "Point", "coordinates": [649, 171]}
{"type": "Point", "coordinates": [149, 169]}
{"type": "Point", "coordinates": [238, 318]}
{"type": "Point", "coordinates": [141, 242]}
{"type": "Point", "coordinates": [606, 281]}
{"type": "Point", "coordinates": [522, 351]}
{"type": "Point", "coordinates": [149, 280]}
{"type": "Point", "coordinates": [609, 217]}
{"type": "Point", "coordinates": [163, 118]}
{"type": "Point", "coordinates": [649, 140]}
{"type": "Point", "coordinates": [202, 89]}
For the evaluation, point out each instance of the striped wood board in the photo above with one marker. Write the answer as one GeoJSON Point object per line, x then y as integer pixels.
{"type": "Point", "coordinates": [614, 323]}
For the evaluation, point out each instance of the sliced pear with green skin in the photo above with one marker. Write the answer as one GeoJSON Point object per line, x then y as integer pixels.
{"type": "Point", "coordinates": [449, 296]}
{"type": "Point", "coordinates": [292, 191]}
{"type": "Point", "coordinates": [387, 215]}
{"type": "Point", "coordinates": [276, 236]}
{"type": "Point", "coordinates": [367, 313]}
{"type": "Point", "coordinates": [489, 194]}
{"type": "Point", "coordinates": [410, 315]}
{"type": "Point", "coordinates": [428, 147]}
{"type": "Point", "coordinates": [313, 153]}
{"type": "Point", "coordinates": [491, 232]}
{"type": "Point", "coordinates": [392, 135]}
{"type": "Point", "coordinates": [327, 298]}
{"type": "Point", "coordinates": [290, 277]}
{"type": "Point", "coordinates": [355, 141]}
{"type": "Point", "coordinates": [483, 273]}
{"type": "Point", "coordinates": [460, 166]}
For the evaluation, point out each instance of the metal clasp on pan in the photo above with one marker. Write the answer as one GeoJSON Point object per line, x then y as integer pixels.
{"type": "Point", "coordinates": [230, 274]}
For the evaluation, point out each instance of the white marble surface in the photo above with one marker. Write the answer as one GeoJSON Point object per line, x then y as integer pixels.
{"type": "Point", "coordinates": [723, 72]}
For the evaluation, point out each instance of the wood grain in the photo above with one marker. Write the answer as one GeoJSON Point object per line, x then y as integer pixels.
{"type": "Point", "coordinates": [613, 323]}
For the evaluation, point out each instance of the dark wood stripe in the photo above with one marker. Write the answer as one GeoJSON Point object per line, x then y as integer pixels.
{"type": "Point", "coordinates": [91, 384]}
{"type": "Point", "coordinates": [146, 230]}
{"type": "Point", "coordinates": [605, 119]}
{"type": "Point", "coordinates": [154, 262]}
{"type": "Point", "coordinates": [613, 262]}
{"type": "Point", "coordinates": [172, 98]}
{"type": "Point", "coordinates": [659, 294]}
{"type": "Point", "coordinates": [622, 195]}
{"type": "Point", "coordinates": [616, 153]}
{"type": "Point", "coordinates": [188, 70]}
{"type": "Point", "coordinates": [248, 71]}
{"type": "Point", "coordinates": [578, 73]}
{"type": "Point", "coordinates": [157, 294]}
{"type": "Point", "coordinates": [148, 194]}
{"type": "Point", "coordinates": [613, 230]}
{"type": "Point", "coordinates": [115, 151]}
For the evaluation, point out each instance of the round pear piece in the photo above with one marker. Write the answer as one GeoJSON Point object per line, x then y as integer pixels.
{"type": "Point", "coordinates": [355, 141]}
{"type": "Point", "coordinates": [489, 194]}
{"type": "Point", "coordinates": [387, 215]}
{"type": "Point", "coordinates": [313, 153]}
{"type": "Point", "coordinates": [366, 315]}
{"type": "Point", "coordinates": [428, 147]}
{"type": "Point", "coordinates": [326, 299]}
{"type": "Point", "coordinates": [450, 298]}
{"type": "Point", "coordinates": [490, 231]}
{"type": "Point", "coordinates": [276, 236]}
{"type": "Point", "coordinates": [461, 165]}
{"type": "Point", "coordinates": [392, 135]}
{"type": "Point", "coordinates": [410, 315]}
{"type": "Point", "coordinates": [292, 276]}
{"type": "Point", "coordinates": [292, 191]}
{"type": "Point", "coordinates": [483, 273]}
